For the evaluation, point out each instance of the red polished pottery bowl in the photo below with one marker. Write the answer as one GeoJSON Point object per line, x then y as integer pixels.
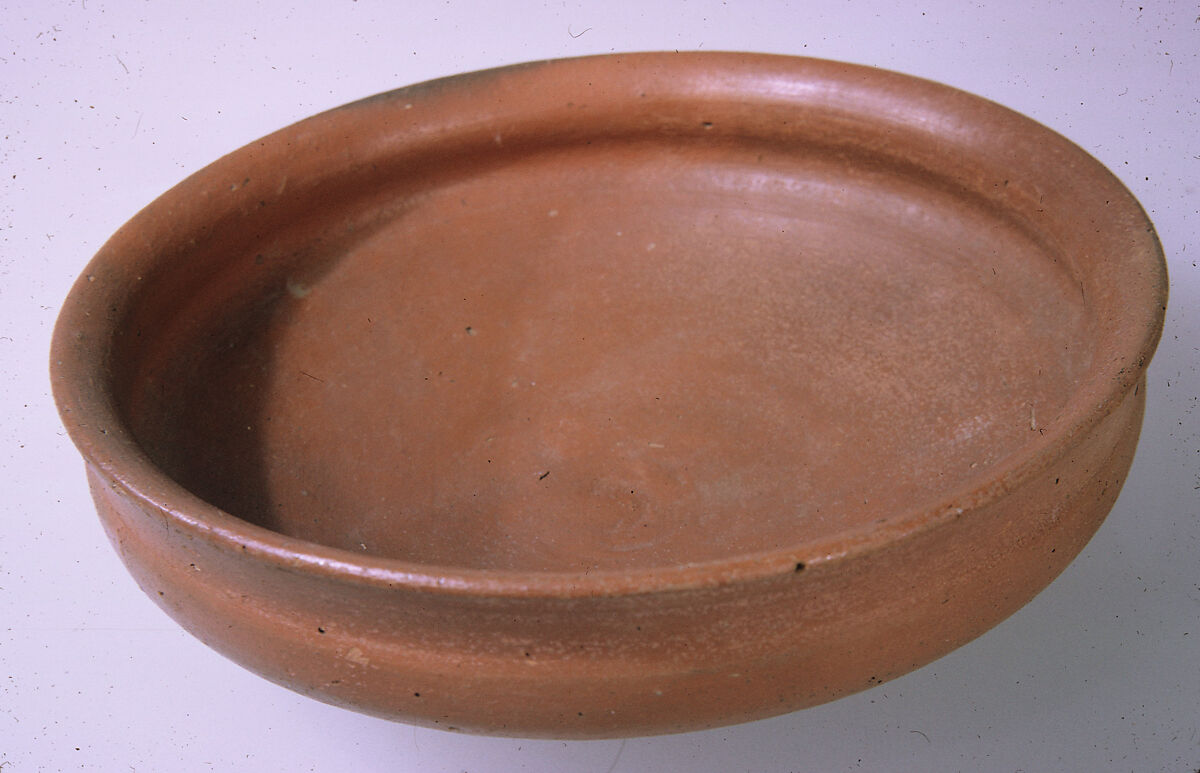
{"type": "Point", "coordinates": [619, 395]}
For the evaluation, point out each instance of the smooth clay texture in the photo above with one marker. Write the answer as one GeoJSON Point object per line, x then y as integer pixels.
{"type": "Point", "coordinates": [607, 357]}
{"type": "Point", "coordinates": [615, 396]}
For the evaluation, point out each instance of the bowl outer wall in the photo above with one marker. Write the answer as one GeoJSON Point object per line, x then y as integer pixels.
{"type": "Point", "coordinates": [709, 644]}
{"type": "Point", "coordinates": [631, 664]}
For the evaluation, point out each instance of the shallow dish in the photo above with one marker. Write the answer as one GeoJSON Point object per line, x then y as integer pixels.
{"type": "Point", "coordinates": [617, 395]}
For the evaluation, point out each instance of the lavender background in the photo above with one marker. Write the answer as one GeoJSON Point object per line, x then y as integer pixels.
{"type": "Point", "coordinates": [103, 106]}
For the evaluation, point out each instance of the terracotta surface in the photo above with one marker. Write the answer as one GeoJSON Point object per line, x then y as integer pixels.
{"type": "Point", "coordinates": [618, 395]}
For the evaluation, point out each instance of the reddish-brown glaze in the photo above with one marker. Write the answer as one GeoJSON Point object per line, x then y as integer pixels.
{"type": "Point", "coordinates": [618, 395]}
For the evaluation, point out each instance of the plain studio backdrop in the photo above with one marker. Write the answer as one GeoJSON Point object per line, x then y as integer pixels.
{"type": "Point", "coordinates": [103, 106]}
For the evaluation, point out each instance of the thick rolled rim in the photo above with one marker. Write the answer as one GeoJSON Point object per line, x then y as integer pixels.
{"type": "Point", "coordinates": [80, 367]}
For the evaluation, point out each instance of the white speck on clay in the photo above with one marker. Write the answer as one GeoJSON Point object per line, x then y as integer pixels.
{"type": "Point", "coordinates": [356, 656]}
{"type": "Point", "coordinates": [297, 290]}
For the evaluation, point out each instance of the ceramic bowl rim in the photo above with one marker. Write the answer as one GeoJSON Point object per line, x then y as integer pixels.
{"type": "Point", "coordinates": [88, 407]}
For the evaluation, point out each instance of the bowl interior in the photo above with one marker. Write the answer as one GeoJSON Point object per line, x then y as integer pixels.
{"type": "Point", "coordinates": [613, 354]}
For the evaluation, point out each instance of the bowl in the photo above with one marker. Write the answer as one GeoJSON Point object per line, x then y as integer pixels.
{"type": "Point", "coordinates": [615, 396]}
